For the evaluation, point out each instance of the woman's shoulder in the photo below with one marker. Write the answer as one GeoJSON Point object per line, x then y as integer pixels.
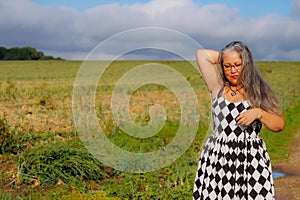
{"type": "Point", "coordinates": [217, 91]}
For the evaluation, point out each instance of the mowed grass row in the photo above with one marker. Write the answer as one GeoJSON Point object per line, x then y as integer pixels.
{"type": "Point", "coordinates": [37, 130]}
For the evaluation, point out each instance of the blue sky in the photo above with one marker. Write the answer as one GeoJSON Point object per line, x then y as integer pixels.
{"type": "Point", "coordinates": [250, 8]}
{"type": "Point", "coordinates": [72, 28]}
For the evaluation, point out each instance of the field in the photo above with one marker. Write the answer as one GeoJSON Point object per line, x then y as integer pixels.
{"type": "Point", "coordinates": [43, 157]}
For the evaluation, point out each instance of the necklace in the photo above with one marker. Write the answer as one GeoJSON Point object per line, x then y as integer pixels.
{"type": "Point", "coordinates": [233, 92]}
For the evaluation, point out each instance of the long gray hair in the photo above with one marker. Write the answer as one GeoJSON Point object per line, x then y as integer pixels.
{"type": "Point", "coordinates": [257, 89]}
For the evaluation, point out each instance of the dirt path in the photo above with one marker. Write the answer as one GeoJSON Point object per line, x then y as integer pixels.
{"type": "Point", "coordinates": [288, 187]}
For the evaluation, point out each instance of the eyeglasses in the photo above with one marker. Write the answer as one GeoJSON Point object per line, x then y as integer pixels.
{"type": "Point", "coordinates": [228, 67]}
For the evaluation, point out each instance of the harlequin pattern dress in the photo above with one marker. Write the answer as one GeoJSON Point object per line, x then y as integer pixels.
{"type": "Point", "coordinates": [234, 163]}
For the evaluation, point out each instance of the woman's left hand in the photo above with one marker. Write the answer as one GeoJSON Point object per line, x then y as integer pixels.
{"type": "Point", "coordinates": [247, 117]}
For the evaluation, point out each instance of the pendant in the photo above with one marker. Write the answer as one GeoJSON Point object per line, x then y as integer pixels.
{"type": "Point", "coordinates": [233, 93]}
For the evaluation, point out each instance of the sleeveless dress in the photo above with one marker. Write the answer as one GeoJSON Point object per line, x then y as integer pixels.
{"type": "Point", "coordinates": [234, 163]}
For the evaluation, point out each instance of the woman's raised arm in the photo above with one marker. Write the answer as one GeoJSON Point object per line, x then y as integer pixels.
{"type": "Point", "coordinates": [207, 60]}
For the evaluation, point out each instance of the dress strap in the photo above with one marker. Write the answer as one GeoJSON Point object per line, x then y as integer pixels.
{"type": "Point", "coordinates": [220, 92]}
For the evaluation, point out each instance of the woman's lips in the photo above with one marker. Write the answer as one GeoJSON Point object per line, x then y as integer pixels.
{"type": "Point", "coordinates": [235, 77]}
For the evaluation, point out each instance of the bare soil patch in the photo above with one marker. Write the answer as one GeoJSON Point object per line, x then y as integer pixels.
{"type": "Point", "coordinates": [288, 186]}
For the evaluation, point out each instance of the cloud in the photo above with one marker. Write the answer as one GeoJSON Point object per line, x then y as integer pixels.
{"type": "Point", "coordinates": [296, 8]}
{"type": "Point", "coordinates": [24, 23]}
{"type": "Point", "coordinates": [72, 34]}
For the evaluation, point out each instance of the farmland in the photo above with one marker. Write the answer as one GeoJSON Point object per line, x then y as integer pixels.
{"type": "Point", "coordinates": [41, 153]}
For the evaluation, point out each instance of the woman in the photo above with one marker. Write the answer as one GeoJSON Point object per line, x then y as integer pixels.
{"type": "Point", "coordinates": [234, 163]}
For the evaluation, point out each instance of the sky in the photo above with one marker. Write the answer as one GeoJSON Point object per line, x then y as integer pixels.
{"type": "Point", "coordinates": [71, 29]}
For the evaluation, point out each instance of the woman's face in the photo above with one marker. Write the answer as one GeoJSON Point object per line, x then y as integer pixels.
{"type": "Point", "coordinates": [232, 66]}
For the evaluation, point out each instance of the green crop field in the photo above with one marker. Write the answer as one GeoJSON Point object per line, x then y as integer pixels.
{"type": "Point", "coordinates": [42, 156]}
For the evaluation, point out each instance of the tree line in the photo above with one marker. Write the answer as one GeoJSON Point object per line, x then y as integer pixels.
{"type": "Point", "coordinates": [24, 53]}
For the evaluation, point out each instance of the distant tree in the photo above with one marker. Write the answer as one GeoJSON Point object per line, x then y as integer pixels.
{"type": "Point", "coordinates": [24, 53]}
{"type": "Point", "coordinates": [2, 52]}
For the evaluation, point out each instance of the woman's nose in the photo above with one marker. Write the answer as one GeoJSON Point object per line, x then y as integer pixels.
{"type": "Point", "coordinates": [233, 70]}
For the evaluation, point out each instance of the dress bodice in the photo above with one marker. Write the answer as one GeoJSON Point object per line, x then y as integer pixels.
{"type": "Point", "coordinates": [225, 125]}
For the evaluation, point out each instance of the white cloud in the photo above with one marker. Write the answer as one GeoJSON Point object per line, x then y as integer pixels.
{"type": "Point", "coordinates": [158, 7]}
{"type": "Point", "coordinates": [70, 33]}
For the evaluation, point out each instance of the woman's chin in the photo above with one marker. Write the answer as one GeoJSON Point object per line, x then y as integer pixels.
{"type": "Point", "coordinates": [233, 82]}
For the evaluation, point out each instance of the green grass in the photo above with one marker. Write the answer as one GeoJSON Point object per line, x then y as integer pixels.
{"type": "Point", "coordinates": [278, 144]}
{"type": "Point", "coordinates": [43, 158]}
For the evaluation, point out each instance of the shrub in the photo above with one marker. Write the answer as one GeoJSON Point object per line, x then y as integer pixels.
{"type": "Point", "coordinates": [11, 140]}
{"type": "Point", "coordinates": [60, 161]}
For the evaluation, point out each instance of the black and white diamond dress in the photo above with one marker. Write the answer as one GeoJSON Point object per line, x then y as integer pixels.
{"type": "Point", "coordinates": [234, 163]}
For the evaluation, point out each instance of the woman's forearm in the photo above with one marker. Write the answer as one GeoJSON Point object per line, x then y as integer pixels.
{"type": "Point", "coordinates": [210, 56]}
{"type": "Point", "coordinates": [274, 122]}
